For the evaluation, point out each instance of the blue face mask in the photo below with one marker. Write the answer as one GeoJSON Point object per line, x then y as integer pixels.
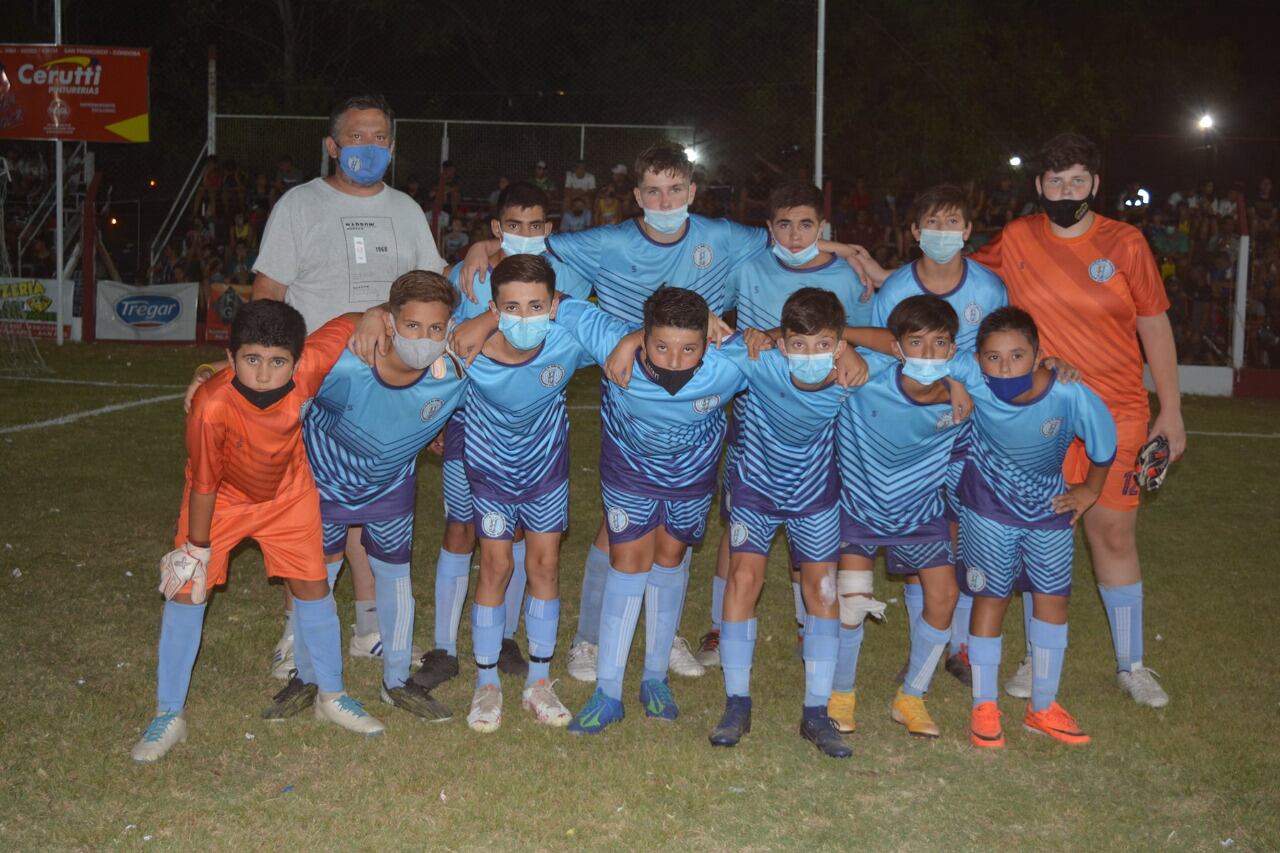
{"type": "Point", "coordinates": [941, 246]}
{"type": "Point", "coordinates": [811, 369]}
{"type": "Point", "coordinates": [1007, 388]}
{"type": "Point", "coordinates": [666, 221]}
{"type": "Point", "coordinates": [514, 244]}
{"type": "Point", "coordinates": [926, 371]}
{"type": "Point", "coordinates": [364, 164]}
{"type": "Point", "coordinates": [795, 259]}
{"type": "Point", "coordinates": [524, 332]}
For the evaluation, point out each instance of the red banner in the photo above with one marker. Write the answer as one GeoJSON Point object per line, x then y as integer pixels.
{"type": "Point", "coordinates": [98, 94]}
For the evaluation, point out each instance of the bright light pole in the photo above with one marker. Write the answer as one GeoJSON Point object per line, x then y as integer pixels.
{"type": "Point", "coordinates": [1015, 161]}
{"type": "Point", "coordinates": [1205, 122]}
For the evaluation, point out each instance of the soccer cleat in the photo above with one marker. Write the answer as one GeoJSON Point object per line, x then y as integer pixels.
{"type": "Point", "coordinates": [601, 711]}
{"type": "Point", "coordinates": [840, 708]}
{"type": "Point", "coordinates": [1140, 685]}
{"type": "Point", "coordinates": [1056, 723]}
{"type": "Point", "coordinates": [734, 723]}
{"type": "Point", "coordinates": [541, 700]}
{"type": "Point", "coordinates": [582, 661]}
{"type": "Point", "coordinates": [682, 661]}
{"type": "Point", "coordinates": [511, 661]}
{"type": "Point", "coordinates": [1020, 685]}
{"type": "Point", "coordinates": [910, 711]}
{"type": "Point", "coordinates": [438, 666]}
{"type": "Point", "coordinates": [958, 666]}
{"type": "Point", "coordinates": [282, 664]}
{"type": "Point", "coordinates": [370, 646]}
{"type": "Point", "coordinates": [984, 726]}
{"type": "Point", "coordinates": [161, 734]}
{"type": "Point", "coordinates": [345, 710]}
{"type": "Point", "coordinates": [486, 709]}
{"type": "Point", "coordinates": [708, 653]}
{"type": "Point", "coordinates": [1152, 464]}
{"type": "Point", "coordinates": [417, 700]}
{"type": "Point", "coordinates": [822, 733]}
{"type": "Point", "coordinates": [659, 704]}
{"type": "Point", "coordinates": [295, 696]}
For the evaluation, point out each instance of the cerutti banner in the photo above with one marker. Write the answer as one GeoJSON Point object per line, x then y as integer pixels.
{"type": "Point", "coordinates": [95, 94]}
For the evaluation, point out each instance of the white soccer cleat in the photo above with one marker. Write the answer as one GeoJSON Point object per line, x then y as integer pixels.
{"type": "Point", "coordinates": [346, 711]}
{"type": "Point", "coordinates": [540, 698]}
{"type": "Point", "coordinates": [1141, 686]}
{"type": "Point", "coordinates": [682, 661]}
{"type": "Point", "coordinates": [486, 709]}
{"type": "Point", "coordinates": [582, 661]}
{"type": "Point", "coordinates": [370, 646]}
{"type": "Point", "coordinates": [282, 658]}
{"type": "Point", "coordinates": [1020, 684]}
{"type": "Point", "coordinates": [161, 734]}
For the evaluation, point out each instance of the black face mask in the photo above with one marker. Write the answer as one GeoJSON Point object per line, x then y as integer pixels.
{"type": "Point", "coordinates": [1066, 212]}
{"type": "Point", "coordinates": [670, 380]}
{"type": "Point", "coordinates": [262, 399]}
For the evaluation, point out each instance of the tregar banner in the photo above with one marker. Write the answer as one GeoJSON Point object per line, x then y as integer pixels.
{"type": "Point", "coordinates": [96, 94]}
{"type": "Point", "coordinates": [160, 312]}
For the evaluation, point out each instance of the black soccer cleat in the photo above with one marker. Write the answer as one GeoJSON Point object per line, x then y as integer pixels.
{"type": "Point", "coordinates": [417, 700]}
{"type": "Point", "coordinates": [438, 666]}
{"type": "Point", "coordinates": [1152, 464]}
{"type": "Point", "coordinates": [295, 696]}
{"type": "Point", "coordinates": [511, 661]}
{"type": "Point", "coordinates": [735, 722]}
{"type": "Point", "coordinates": [821, 732]}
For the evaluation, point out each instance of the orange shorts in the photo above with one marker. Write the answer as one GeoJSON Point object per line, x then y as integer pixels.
{"type": "Point", "coordinates": [287, 529]}
{"type": "Point", "coordinates": [1121, 490]}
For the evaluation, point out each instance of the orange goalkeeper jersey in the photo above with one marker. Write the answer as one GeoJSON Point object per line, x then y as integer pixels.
{"type": "Point", "coordinates": [1085, 295]}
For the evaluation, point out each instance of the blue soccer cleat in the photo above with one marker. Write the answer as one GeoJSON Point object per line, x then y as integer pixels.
{"type": "Point", "coordinates": [657, 700]}
{"type": "Point", "coordinates": [600, 712]}
{"type": "Point", "coordinates": [735, 723]}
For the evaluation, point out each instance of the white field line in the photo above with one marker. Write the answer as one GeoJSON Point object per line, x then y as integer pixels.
{"type": "Point", "coordinates": [86, 382]}
{"type": "Point", "coordinates": [72, 418]}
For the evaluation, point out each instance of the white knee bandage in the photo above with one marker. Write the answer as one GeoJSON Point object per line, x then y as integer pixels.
{"type": "Point", "coordinates": [855, 589]}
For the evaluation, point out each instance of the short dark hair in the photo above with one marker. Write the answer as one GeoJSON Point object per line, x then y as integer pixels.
{"type": "Point", "coordinates": [675, 307]}
{"type": "Point", "coordinates": [811, 310]}
{"type": "Point", "coordinates": [360, 102]}
{"type": "Point", "coordinates": [795, 194]}
{"type": "Point", "coordinates": [1009, 319]}
{"type": "Point", "coordinates": [523, 195]}
{"type": "Point", "coordinates": [422, 286]}
{"type": "Point", "coordinates": [1066, 150]}
{"type": "Point", "coordinates": [923, 313]}
{"type": "Point", "coordinates": [939, 198]}
{"type": "Point", "coordinates": [662, 158]}
{"type": "Point", "coordinates": [524, 268]}
{"type": "Point", "coordinates": [268, 323]}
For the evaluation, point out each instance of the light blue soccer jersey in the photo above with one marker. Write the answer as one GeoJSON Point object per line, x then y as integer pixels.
{"type": "Point", "coordinates": [652, 443]}
{"type": "Point", "coordinates": [893, 453]}
{"type": "Point", "coordinates": [626, 266]}
{"type": "Point", "coordinates": [762, 285]}
{"type": "Point", "coordinates": [567, 281]}
{"type": "Point", "coordinates": [1013, 463]}
{"type": "Point", "coordinates": [979, 292]}
{"type": "Point", "coordinates": [363, 436]}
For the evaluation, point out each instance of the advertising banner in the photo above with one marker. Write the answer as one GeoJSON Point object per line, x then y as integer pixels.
{"type": "Point", "coordinates": [97, 94]}
{"type": "Point", "coordinates": [224, 301]}
{"type": "Point", "coordinates": [27, 305]}
{"type": "Point", "coordinates": [160, 312]}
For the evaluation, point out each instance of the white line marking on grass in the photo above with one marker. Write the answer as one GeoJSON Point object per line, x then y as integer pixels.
{"type": "Point", "coordinates": [87, 382]}
{"type": "Point", "coordinates": [1236, 434]}
{"type": "Point", "coordinates": [72, 418]}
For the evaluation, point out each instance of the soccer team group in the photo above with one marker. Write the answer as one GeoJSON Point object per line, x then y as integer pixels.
{"type": "Point", "coordinates": [962, 414]}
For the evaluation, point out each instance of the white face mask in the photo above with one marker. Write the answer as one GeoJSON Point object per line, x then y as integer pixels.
{"type": "Point", "coordinates": [418, 353]}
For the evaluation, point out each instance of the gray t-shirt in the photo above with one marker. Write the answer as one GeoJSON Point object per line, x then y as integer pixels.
{"type": "Point", "coordinates": [338, 253]}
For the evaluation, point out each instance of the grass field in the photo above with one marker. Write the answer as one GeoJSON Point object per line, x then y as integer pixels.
{"type": "Point", "coordinates": [89, 506]}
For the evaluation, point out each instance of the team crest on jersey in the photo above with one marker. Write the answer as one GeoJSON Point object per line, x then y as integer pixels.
{"type": "Point", "coordinates": [945, 421]}
{"type": "Point", "coordinates": [1050, 427]}
{"type": "Point", "coordinates": [617, 518]}
{"type": "Point", "coordinates": [1101, 270]}
{"type": "Point", "coordinates": [430, 409]}
{"type": "Point", "coordinates": [972, 313]}
{"type": "Point", "coordinates": [737, 533]}
{"type": "Point", "coordinates": [703, 256]}
{"type": "Point", "coordinates": [976, 579]}
{"type": "Point", "coordinates": [551, 375]}
{"type": "Point", "coordinates": [709, 403]}
{"type": "Point", "coordinates": [493, 524]}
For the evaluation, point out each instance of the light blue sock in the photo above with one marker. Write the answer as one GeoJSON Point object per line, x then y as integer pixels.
{"type": "Point", "coordinates": [662, 600]}
{"type": "Point", "coordinates": [1124, 612]}
{"type": "Point", "coordinates": [541, 621]}
{"type": "Point", "coordinates": [1028, 607]}
{"type": "Point", "coordinates": [514, 600]}
{"type": "Point", "coordinates": [486, 641]}
{"type": "Point", "coordinates": [797, 599]}
{"type": "Point", "coordinates": [1048, 648]}
{"type": "Point", "coordinates": [984, 661]}
{"type": "Point", "coordinates": [737, 647]}
{"type": "Point", "coordinates": [821, 645]}
{"type": "Point", "coordinates": [593, 578]}
{"type": "Point", "coordinates": [180, 628]}
{"type": "Point", "coordinates": [317, 622]}
{"type": "Point", "coordinates": [717, 602]}
{"type": "Point", "coordinates": [302, 657]}
{"type": "Point", "coordinates": [396, 608]}
{"type": "Point", "coordinates": [913, 598]}
{"type": "Point", "coordinates": [846, 673]}
{"type": "Point", "coordinates": [332, 570]}
{"type": "Point", "coordinates": [619, 612]}
{"type": "Point", "coordinates": [960, 623]}
{"type": "Point", "coordinates": [927, 645]}
{"type": "Point", "coordinates": [452, 573]}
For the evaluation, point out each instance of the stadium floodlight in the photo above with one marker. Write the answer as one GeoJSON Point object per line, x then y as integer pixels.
{"type": "Point", "coordinates": [1205, 122]}
{"type": "Point", "coordinates": [1144, 196]}
{"type": "Point", "coordinates": [691, 153]}
{"type": "Point", "coordinates": [1015, 161]}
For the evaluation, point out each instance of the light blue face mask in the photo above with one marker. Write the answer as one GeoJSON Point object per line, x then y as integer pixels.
{"type": "Point", "coordinates": [514, 244]}
{"type": "Point", "coordinates": [941, 246]}
{"type": "Point", "coordinates": [926, 371]}
{"type": "Point", "coordinates": [666, 221]}
{"type": "Point", "coordinates": [524, 332]}
{"type": "Point", "coordinates": [811, 369]}
{"type": "Point", "coordinates": [364, 164]}
{"type": "Point", "coordinates": [795, 259]}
